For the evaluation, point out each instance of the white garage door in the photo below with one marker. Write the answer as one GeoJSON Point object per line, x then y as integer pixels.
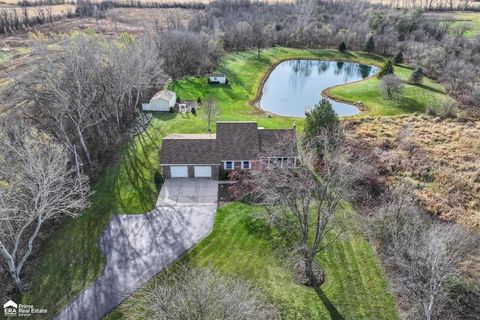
{"type": "Point", "coordinates": [203, 171]}
{"type": "Point", "coordinates": [179, 171]}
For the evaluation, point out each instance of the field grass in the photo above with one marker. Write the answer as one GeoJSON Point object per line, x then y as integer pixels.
{"type": "Point", "coordinates": [442, 174]}
{"type": "Point", "coordinates": [472, 19]}
{"type": "Point", "coordinates": [240, 246]}
{"type": "Point", "coordinates": [70, 259]}
{"type": "Point", "coordinates": [458, 18]}
{"type": "Point", "coordinates": [246, 72]}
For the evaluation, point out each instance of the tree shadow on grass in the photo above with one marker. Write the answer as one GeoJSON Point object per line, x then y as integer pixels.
{"type": "Point", "coordinates": [409, 105]}
{"type": "Point", "coordinates": [135, 163]}
{"type": "Point", "coordinates": [423, 86]}
{"type": "Point", "coordinates": [332, 310]}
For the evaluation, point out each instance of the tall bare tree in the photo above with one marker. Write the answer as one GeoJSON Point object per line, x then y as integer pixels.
{"type": "Point", "coordinates": [304, 199]}
{"type": "Point", "coordinates": [211, 112]}
{"type": "Point", "coordinates": [37, 184]}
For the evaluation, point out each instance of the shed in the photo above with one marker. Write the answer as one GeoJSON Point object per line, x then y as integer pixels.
{"type": "Point", "coordinates": [218, 78]}
{"type": "Point", "coordinates": [162, 101]}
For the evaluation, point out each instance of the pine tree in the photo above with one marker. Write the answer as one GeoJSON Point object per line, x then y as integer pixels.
{"type": "Point", "coordinates": [342, 47]}
{"type": "Point", "coordinates": [322, 118]}
{"type": "Point", "coordinates": [387, 68]}
{"type": "Point", "coordinates": [417, 76]}
{"type": "Point", "coordinates": [370, 45]}
{"type": "Point", "coordinates": [398, 58]}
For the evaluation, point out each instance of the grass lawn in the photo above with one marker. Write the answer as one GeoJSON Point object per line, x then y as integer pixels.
{"type": "Point", "coordinates": [355, 286]}
{"type": "Point", "coordinates": [415, 98]}
{"type": "Point", "coordinates": [70, 259]}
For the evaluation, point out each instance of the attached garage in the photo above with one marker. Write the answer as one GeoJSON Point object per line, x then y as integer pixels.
{"type": "Point", "coordinates": [190, 156]}
{"type": "Point", "coordinates": [202, 171]}
{"type": "Point", "coordinates": [179, 171]}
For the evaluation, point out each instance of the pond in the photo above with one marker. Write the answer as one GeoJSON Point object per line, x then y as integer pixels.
{"type": "Point", "coordinates": [295, 85]}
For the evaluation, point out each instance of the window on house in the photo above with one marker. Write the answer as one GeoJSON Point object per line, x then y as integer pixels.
{"type": "Point", "coordinates": [245, 164]}
{"type": "Point", "coordinates": [228, 165]}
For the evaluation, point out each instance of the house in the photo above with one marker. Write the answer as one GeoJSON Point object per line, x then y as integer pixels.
{"type": "Point", "coordinates": [217, 78]}
{"type": "Point", "coordinates": [162, 101]}
{"type": "Point", "coordinates": [236, 145]}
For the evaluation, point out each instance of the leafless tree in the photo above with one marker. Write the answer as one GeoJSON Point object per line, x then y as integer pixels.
{"type": "Point", "coordinates": [457, 76]}
{"type": "Point", "coordinates": [422, 256]}
{"type": "Point", "coordinates": [303, 200]}
{"type": "Point", "coordinates": [37, 184]}
{"type": "Point", "coordinates": [392, 86]}
{"type": "Point", "coordinates": [211, 112]}
{"type": "Point", "coordinates": [188, 294]}
{"type": "Point", "coordinates": [187, 53]}
{"type": "Point", "coordinates": [87, 93]}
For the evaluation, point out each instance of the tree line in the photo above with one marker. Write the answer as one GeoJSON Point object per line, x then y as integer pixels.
{"type": "Point", "coordinates": [36, 3]}
{"type": "Point", "coordinates": [437, 5]}
{"type": "Point", "coordinates": [13, 20]}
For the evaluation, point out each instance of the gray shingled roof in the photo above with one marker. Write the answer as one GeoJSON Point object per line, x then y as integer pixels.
{"type": "Point", "coordinates": [278, 142]}
{"type": "Point", "coordinates": [191, 150]}
{"type": "Point", "coordinates": [233, 141]}
{"type": "Point", "coordinates": [238, 140]}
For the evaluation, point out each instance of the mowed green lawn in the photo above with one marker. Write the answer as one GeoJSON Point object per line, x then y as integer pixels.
{"type": "Point", "coordinates": [415, 98]}
{"type": "Point", "coordinates": [240, 246]}
{"type": "Point", "coordinates": [70, 260]}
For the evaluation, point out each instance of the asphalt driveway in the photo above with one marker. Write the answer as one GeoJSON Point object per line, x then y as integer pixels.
{"type": "Point", "coordinates": [137, 247]}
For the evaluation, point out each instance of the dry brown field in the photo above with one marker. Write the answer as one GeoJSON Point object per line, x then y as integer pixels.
{"type": "Point", "coordinates": [438, 159]}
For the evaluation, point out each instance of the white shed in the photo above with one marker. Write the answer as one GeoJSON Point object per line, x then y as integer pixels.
{"type": "Point", "coordinates": [161, 101]}
{"type": "Point", "coordinates": [217, 78]}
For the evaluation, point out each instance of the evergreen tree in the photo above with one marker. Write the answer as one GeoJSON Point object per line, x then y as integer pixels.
{"type": "Point", "coordinates": [370, 45]}
{"type": "Point", "coordinates": [342, 47]}
{"type": "Point", "coordinates": [322, 117]}
{"type": "Point", "coordinates": [387, 68]}
{"type": "Point", "coordinates": [398, 58]}
{"type": "Point", "coordinates": [417, 76]}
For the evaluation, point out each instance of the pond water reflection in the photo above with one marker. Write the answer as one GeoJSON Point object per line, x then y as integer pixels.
{"type": "Point", "coordinates": [295, 85]}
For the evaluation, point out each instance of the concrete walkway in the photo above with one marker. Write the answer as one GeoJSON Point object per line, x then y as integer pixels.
{"type": "Point", "coordinates": [137, 247]}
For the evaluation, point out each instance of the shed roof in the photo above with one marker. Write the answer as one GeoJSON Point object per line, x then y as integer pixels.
{"type": "Point", "coordinates": [166, 95]}
{"type": "Point", "coordinates": [215, 74]}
